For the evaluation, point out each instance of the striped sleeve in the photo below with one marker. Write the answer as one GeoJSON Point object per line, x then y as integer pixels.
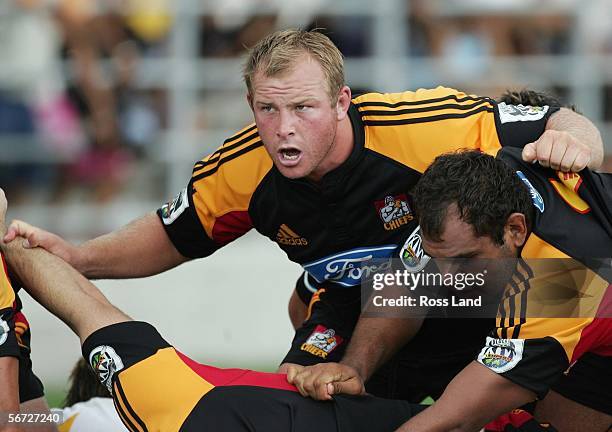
{"type": "Point", "coordinates": [416, 127]}
{"type": "Point", "coordinates": [213, 209]}
{"type": "Point", "coordinates": [8, 340]}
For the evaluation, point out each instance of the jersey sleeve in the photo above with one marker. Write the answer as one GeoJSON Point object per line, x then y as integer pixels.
{"type": "Point", "coordinates": [549, 317]}
{"type": "Point", "coordinates": [8, 340]}
{"type": "Point", "coordinates": [414, 128]}
{"type": "Point", "coordinates": [213, 209]}
{"type": "Point", "coordinates": [518, 125]}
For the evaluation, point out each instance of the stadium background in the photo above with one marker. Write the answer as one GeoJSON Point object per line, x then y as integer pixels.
{"type": "Point", "coordinates": [105, 105]}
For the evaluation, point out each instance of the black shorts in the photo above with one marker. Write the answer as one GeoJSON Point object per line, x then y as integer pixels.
{"type": "Point", "coordinates": [30, 387]}
{"type": "Point", "coordinates": [422, 368]}
{"type": "Point", "coordinates": [154, 387]}
{"type": "Point", "coordinates": [589, 382]}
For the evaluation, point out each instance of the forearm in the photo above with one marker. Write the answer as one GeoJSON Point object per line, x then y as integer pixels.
{"type": "Point", "coordinates": [61, 289]}
{"type": "Point", "coordinates": [9, 385]}
{"type": "Point", "coordinates": [141, 248]}
{"type": "Point", "coordinates": [473, 398]}
{"type": "Point", "coordinates": [581, 128]}
{"type": "Point", "coordinates": [375, 340]}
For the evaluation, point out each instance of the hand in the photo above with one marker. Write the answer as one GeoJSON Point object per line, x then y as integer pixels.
{"type": "Point", "coordinates": [558, 150]}
{"type": "Point", "coordinates": [323, 380]}
{"type": "Point", "coordinates": [37, 237]}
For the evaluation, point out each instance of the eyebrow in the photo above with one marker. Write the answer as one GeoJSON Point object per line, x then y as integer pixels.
{"type": "Point", "coordinates": [471, 254]}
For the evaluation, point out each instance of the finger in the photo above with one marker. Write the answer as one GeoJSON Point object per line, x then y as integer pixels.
{"type": "Point", "coordinates": [321, 390]}
{"type": "Point", "coordinates": [292, 372]}
{"type": "Point", "coordinates": [559, 148]}
{"type": "Point", "coordinates": [15, 229]}
{"type": "Point", "coordinates": [351, 387]}
{"type": "Point", "coordinates": [581, 162]}
{"type": "Point", "coordinates": [544, 148]}
{"type": "Point", "coordinates": [529, 153]}
{"type": "Point", "coordinates": [569, 158]}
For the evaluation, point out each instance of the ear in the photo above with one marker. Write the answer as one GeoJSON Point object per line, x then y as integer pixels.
{"type": "Point", "coordinates": [344, 102]}
{"type": "Point", "coordinates": [250, 100]}
{"type": "Point", "coordinates": [515, 230]}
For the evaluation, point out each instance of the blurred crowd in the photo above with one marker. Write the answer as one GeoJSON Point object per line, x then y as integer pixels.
{"type": "Point", "coordinates": [75, 119]}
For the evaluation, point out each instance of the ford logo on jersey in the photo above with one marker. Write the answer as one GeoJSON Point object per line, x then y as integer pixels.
{"type": "Point", "coordinates": [537, 199]}
{"type": "Point", "coordinates": [348, 268]}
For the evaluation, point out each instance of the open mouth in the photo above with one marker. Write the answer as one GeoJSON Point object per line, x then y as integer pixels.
{"type": "Point", "coordinates": [289, 156]}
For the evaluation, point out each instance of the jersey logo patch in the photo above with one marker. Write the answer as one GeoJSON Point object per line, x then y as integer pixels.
{"type": "Point", "coordinates": [321, 342]}
{"type": "Point", "coordinates": [105, 363]}
{"type": "Point", "coordinates": [568, 190]}
{"type": "Point", "coordinates": [286, 236]}
{"type": "Point", "coordinates": [394, 211]}
{"type": "Point", "coordinates": [172, 210]}
{"type": "Point", "coordinates": [501, 355]}
{"type": "Point", "coordinates": [516, 113]}
{"type": "Point", "coordinates": [537, 199]}
{"type": "Point", "coordinates": [4, 330]}
{"type": "Point", "coordinates": [350, 267]}
{"type": "Point", "coordinates": [412, 254]}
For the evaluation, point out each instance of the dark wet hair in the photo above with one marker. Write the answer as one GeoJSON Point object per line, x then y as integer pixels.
{"type": "Point", "coordinates": [485, 190]}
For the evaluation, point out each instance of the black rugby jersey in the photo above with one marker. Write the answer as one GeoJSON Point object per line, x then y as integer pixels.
{"type": "Point", "coordinates": [360, 211]}
{"type": "Point", "coordinates": [555, 311]}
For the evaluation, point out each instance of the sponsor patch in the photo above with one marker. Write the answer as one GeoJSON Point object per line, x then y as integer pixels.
{"type": "Point", "coordinates": [394, 211]}
{"type": "Point", "coordinates": [4, 330]}
{"type": "Point", "coordinates": [412, 254]}
{"type": "Point", "coordinates": [321, 342]}
{"type": "Point", "coordinates": [516, 113]}
{"type": "Point", "coordinates": [537, 199]}
{"type": "Point", "coordinates": [501, 355]}
{"type": "Point", "coordinates": [286, 236]}
{"type": "Point", "coordinates": [352, 267]}
{"type": "Point", "coordinates": [172, 210]}
{"type": "Point", "coordinates": [106, 363]}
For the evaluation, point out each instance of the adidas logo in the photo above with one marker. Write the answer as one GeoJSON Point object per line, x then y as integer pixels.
{"type": "Point", "coordinates": [286, 236]}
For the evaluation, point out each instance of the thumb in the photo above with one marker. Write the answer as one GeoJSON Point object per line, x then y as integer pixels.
{"type": "Point", "coordinates": [350, 387]}
{"type": "Point", "coordinates": [529, 152]}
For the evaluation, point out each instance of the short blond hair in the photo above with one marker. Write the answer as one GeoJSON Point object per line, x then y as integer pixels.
{"type": "Point", "coordinates": [278, 52]}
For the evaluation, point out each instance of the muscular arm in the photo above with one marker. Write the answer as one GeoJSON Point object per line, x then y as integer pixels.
{"type": "Point", "coordinates": [570, 142]}
{"type": "Point", "coordinates": [473, 398]}
{"type": "Point", "coordinates": [375, 340]}
{"type": "Point", "coordinates": [9, 395]}
{"type": "Point", "coordinates": [141, 248]}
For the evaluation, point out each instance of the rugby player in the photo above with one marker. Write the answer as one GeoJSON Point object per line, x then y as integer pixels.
{"type": "Point", "coordinates": [156, 388]}
{"type": "Point", "coordinates": [20, 389]}
{"type": "Point", "coordinates": [328, 178]}
{"type": "Point", "coordinates": [473, 205]}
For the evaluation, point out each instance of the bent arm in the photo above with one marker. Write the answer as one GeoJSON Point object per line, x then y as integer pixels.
{"type": "Point", "coordinates": [473, 398]}
{"type": "Point", "coordinates": [582, 129]}
{"type": "Point", "coordinates": [141, 248]}
{"type": "Point", "coordinates": [375, 340]}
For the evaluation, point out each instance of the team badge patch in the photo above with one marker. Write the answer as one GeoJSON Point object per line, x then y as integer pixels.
{"type": "Point", "coordinates": [394, 211]}
{"type": "Point", "coordinates": [501, 355]}
{"type": "Point", "coordinates": [412, 254]}
{"type": "Point", "coordinates": [106, 363]}
{"type": "Point", "coordinates": [4, 330]}
{"type": "Point", "coordinates": [321, 342]}
{"type": "Point", "coordinates": [537, 199]}
{"type": "Point", "coordinates": [172, 210]}
{"type": "Point", "coordinates": [516, 113]}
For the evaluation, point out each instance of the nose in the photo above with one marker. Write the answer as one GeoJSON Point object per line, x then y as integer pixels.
{"type": "Point", "coordinates": [286, 125]}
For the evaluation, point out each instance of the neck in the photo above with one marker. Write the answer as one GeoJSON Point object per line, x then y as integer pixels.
{"type": "Point", "coordinates": [339, 152]}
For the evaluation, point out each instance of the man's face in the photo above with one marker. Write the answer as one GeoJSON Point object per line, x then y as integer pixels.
{"type": "Point", "coordinates": [459, 241]}
{"type": "Point", "coordinates": [474, 254]}
{"type": "Point", "coordinates": [296, 119]}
